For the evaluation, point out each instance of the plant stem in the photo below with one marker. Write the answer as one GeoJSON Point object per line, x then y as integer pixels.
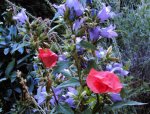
{"type": "Point", "coordinates": [54, 96]}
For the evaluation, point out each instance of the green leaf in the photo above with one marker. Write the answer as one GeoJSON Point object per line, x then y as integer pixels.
{"type": "Point", "coordinates": [22, 59]}
{"type": "Point", "coordinates": [10, 67]}
{"type": "Point", "coordinates": [91, 64]}
{"type": "Point", "coordinates": [13, 76]}
{"type": "Point", "coordinates": [87, 45]}
{"type": "Point", "coordinates": [87, 111]}
{"type": "Point", "coordinates": [125, 103]}
{"type": "Point", "coordinates": [20, 46]}
{"type": "Point", "coordinates": [2, 79]}
{"type": "Point", "coordinates": [61, 66]}
{"type": "Point", "coordinates": [66, 73]}
{"type": "Point", "coordinates": [68, 83]}
{"type": "Point", "coordinates": [6, 51]}
{"type": "Point", "coordinates": [64, 109]}
{"type": "Point", "coordinates": [0, 109]}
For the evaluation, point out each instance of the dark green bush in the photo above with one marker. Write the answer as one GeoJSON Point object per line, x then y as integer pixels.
{"type": "Point", "coordinates": [15, 54]}
{"type": "Point", "coordinates": [134, 38]}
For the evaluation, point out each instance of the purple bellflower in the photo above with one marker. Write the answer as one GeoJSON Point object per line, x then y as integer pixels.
{"type": "Point", "coordinates": [115, 97]}
{"type": "Point", "coordinates": [105, 13]}
{"type": "Point", "coordinates": [57, 92]}
{"type": "Point", "coordinates": [21, 17]}
{"type": "Point", "coordinates": [94, 33]}
{"type": "Point", "coordinates": [35, 67]}
{"type": "Point", "coordinates": [117, 68]}
{"type": "Point", "coordinates": [108, 32]}
{"type": "Point", "coordinates": [41, 95]}
{"type": "Point", "coordinates": [77, 24]}
{"type": "Point", "coordinates": [76, 6]}
{"type": "Point", "coordinates": [60, 9]}
{"type": "Point", "coordinates": [101, 53]}
{"type": "Point", "coordinates": [72, 92]}
{"type": "Point", "coordinates": [62, 57]}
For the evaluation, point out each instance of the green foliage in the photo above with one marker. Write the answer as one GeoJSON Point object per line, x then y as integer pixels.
{"type": "Point", "coordinates": [134, 41]}
{"type": "Point", "coordinates": [18, 45]}
{"type": "Point", "coordinates": [14, 56]}
{"type": "Point", "coordinates": [72, 82]}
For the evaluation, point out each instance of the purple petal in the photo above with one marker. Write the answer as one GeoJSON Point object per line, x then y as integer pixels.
{"type": "Point", "coordinates": [61, 9]}
{"type": "Point", "coordinates": [117, 65]}
{"type": "Point", "coordinates": [57, 91]}
{"type": "Point", "coordinates": [77, 24]}
{"type": "Point", "coordinates": [94, 33]}
{"type": "Point", "coordinates": [115, 97]}
{"type": "Point", "coordinates": [104, 14]}
{"type": "Point", "coordinates": [62, 57]}
{"type": "Point", "coordinates": [22, 17]}
{"type": "Point", "coordinates": [72, 90]}
{"type": "Point", "coordinates": [120, 71]}
{"type": "Point", "coordinates": [41, 94]}
{"type": "Point", "coordinates": [76, 5]}
{"type": "Point", "coordinates": [108, 32]}
{"type": "Point", "coordinates": [70, 101]}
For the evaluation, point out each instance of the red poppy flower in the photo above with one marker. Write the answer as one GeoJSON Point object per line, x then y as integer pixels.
{"type": "Point", "coordinates": [103, 82]}
{"type": "Point", "coordinates": [48, 57]}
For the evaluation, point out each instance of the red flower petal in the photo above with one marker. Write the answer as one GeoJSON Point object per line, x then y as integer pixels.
{"type": "Point", "coordinates": [103, 82]}
{"type": "Point", "coordinates": [48, 57]}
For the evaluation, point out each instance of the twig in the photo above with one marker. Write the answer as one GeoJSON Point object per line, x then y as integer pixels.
{"type": "Point", "coordinates": [27, 95]}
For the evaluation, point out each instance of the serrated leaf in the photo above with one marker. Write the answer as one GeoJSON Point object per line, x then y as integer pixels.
{"type": "Point", "coordinates": [68, 83]}
{"type": "Point", "coordinates": [87, 45]}
{"type": "Point", "coordinates": [64, 109]}
{"type": "Point", "coordinates": [10, 67]}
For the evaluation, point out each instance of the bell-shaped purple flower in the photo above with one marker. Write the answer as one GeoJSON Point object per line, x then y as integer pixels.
{"type": "Point", "coordinates": [21, 17]}
{"type": "Point", "coordinates": [41, 95]}
{"type": "Point", "coordinates": [108, 32]}
{"type": "Point", "coordinates": [105, 13]}
{"type": "Point", "coordinates": [115, 97]}
{"type": "Point", "coordinates": [72, 92]}
{"type": "Point", "coordinates": [35, 67]}
{"type": "Point", "coordinates": [62, 57]}
{"type": "Point", "coordinates": [117, 68]}
{"type": "Point", "coordinates": [77, 24]}
{"type": "Point", "coordinates": [94, 33]}
{"type": "Point", "coordinates": [60, 9]}
{"type": "Point", "coordinates": [76, 6]}
{"type": "Point", "coordinates": [57, 92]}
